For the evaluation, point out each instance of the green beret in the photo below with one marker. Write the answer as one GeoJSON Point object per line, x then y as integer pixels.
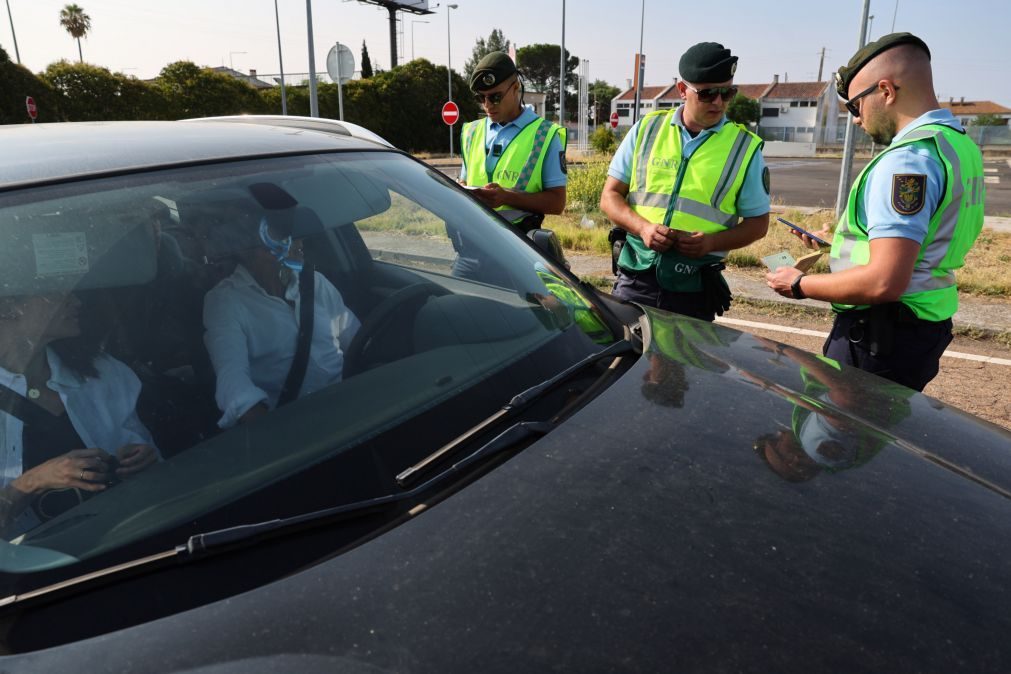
{"type": "Point", "coordinates": [492, 70]}
{"type": "Point", "coordinates": [847, 72]}
{"type": "Point", "coordinates": [707, 62]}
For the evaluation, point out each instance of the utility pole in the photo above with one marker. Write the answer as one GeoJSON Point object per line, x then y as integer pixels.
{"type": "Point", "coordinates": [821, 63]}
{"type": "Point", "coordinates": [449, 70]}
{"type": "Point", "coordinates": [846, 169]}
{"type": "Point", "coordinates": [313, 94]}
{"type": "Point", "coordinates": [640, 70]}
{"type": "Point", "coordinates": [10, 18]}
{"type": "Point", "coordinates": [561, 80]}
{"type": "Point", "coordinates": [280, 61]}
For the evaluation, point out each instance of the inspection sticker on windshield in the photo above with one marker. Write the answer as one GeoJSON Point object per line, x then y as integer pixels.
{"type": "Point", "coordinates": [777, 260]}
{"type": "Point", "coordinates": [60, 254]}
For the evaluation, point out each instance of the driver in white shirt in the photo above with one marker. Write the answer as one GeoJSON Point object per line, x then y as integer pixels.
{"type": "Point", "coordinates": [251, 321]}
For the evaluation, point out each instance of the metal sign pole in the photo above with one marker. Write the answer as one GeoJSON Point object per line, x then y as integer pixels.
{"type": "Point", "coordinates": [846, 170]}
{"type": "Point", "coordinates": [313, 95]}
{"type": "Point", "coordinates": [340, 81]}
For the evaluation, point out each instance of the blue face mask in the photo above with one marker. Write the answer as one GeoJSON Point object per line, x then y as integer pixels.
{"type": "Point", "coordinates": [279, 249]}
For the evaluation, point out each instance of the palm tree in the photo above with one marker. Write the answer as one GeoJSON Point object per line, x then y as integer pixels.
{"type": "Point", "coordinates": [77, 23]}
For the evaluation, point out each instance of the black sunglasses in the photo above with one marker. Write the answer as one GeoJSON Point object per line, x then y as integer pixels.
{"type": "Point", "coordinates": [493, 99]}
{"type": "Point", "coordinates": [851, 104]}
{"type": "Point", "coordinates": [709, 95]}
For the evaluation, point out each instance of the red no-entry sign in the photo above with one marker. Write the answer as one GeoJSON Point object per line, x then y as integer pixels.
{"type": "Point", "coordinates": [614, 120]}
{"type": "Point", "coordinates": [33, 110]}
{"type": "Point", "coordinates": [450, 113]}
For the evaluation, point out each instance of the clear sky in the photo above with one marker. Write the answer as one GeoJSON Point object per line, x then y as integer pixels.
{"type": "Point", "coordinates": [969, 39]}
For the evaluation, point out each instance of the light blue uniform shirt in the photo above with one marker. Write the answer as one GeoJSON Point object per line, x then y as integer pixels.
{"type": "Point", "coordinates": [875, 208]}
{"type": "Point", "coordinates": [552, 174]}
{"type": "Point", "coordinates": [752, 200]}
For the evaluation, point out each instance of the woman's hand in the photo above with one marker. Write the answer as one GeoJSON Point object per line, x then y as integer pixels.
{"type": "Point", "coordinates": [134, 458]}
{"type": "Point", "coordinates": [86, 469]}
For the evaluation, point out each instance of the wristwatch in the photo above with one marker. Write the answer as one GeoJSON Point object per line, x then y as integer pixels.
{"type": "Point", "coordinates": [796, 290]}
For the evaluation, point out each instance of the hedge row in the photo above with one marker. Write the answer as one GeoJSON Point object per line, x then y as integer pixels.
{"type": "Point", "coordinates": [403, 105]}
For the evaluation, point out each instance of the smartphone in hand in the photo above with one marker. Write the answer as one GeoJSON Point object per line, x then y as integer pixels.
{"type": "Point", "coordinates": [801, 230]}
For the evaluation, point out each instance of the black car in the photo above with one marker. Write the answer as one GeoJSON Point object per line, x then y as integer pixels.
{"type": "Point", "coordinates": [465, 460]}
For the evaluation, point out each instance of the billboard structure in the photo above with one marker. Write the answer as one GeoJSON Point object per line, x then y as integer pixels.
{"type": "Point", "coordinates": [418, 7]}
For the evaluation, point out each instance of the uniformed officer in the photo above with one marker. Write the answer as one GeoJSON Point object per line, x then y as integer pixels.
{"type": "Point", "coordinates": [913, 214]}
{"type": "Point", "coordinates": [687, 186]}
{"type": "Point", "coordinates": [514, 157]}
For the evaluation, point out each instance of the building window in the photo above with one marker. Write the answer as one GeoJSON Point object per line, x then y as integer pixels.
{"type": "Point", "coordinates": [623, 112]}
{"type": "Point", "coordinates": [664, 104]}
{"type": "Point", "coordinates": [770, 112]}
{"type": "Point", "coordinates": [794, 104]}
{"type": "Point", "coordinates": [623, 106]}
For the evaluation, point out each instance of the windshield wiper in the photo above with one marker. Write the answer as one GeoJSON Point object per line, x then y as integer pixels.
{"type": "Point", "coordinates": [515, 404]}
{"type": "Point", "coordinates": [201, 545]}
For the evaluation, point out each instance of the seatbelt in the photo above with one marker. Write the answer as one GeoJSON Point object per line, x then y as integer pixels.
{"type": "Point", "coordinates": [299, 364]}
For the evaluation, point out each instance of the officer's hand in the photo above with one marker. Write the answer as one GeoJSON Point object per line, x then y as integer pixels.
{"type": "Point", "coordinates": [781, 280]}
{"type": "Point", "coordinates": [492, 194]}
{"type": "Point", "coordinates": [695, 244]}
{"type": "Point", "coordinates": [657, 237]}
{"type": "Point", "coordinates": [824, 235]}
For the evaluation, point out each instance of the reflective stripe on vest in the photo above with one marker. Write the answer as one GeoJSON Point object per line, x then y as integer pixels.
{"type": "Point", "coordinates": [953, 227]}
{"type": "Point", "coordinates": [519, 166]}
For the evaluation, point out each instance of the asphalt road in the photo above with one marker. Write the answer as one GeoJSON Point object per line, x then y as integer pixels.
{"type": "Point", "coordinates": [814, 181]}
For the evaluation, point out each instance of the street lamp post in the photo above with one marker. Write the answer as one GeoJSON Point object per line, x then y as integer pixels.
{"type": "Point", "coordinates": [10, 18]}
{"type": "Point", "coordinates": [449, 70]}
{"type": "Point", "coordinates": [280, 61]}
{"type": "Point", "coordinates": [313, 94]}
{"type": "Point", "coordinates": [561, 81]}
{"type": "Point", "coordinates": [412, 35]}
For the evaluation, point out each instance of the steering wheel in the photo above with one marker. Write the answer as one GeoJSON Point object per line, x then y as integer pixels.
{"type": "Point", "coordinates": [400, 306]}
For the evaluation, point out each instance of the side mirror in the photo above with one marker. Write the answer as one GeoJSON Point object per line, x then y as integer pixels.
{"type": "Point", "coordinates": [548, 244]}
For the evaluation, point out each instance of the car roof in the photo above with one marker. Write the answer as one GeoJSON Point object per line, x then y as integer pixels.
{"type": "Point", "coordinates": [43, 153]}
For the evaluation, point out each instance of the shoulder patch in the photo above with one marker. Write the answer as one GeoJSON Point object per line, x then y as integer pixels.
{"type": "Point", "coordinates": [561, 161]}
{"type": "Point", "coordinates": [908, 192]}
{"type": "Point", "coordinates": [766, 179]}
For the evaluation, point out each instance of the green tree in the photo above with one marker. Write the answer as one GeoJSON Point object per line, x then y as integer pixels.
{"type": "Point", "coordinates": [601, 93]}
{"type": "Point", "coordinates": [366, 63]}
{"type": "Point", "coordinates": [495, 42]}
{"type": "Point", "coordinates": [988, 120]}
{"type": "Point", "coordinates": [17, 82]}
{"type": "Point", "coordinates": [91, 93]}
{"type": "Point", "coordinates": [77, 23]}
{"type": "Point", "coordinates": [539, 64]}
{"type": "Point", "coordinates": [744, 110]}
{"type": "Point", "coordinates": [192, 91]}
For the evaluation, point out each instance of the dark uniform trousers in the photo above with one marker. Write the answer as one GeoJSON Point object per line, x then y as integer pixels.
{"type": "Point", "coordinates": [910, 357]}
{"type": "Point", "coordinates": [642, 287]}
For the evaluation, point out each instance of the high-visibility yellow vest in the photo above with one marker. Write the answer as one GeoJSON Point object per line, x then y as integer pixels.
{"type": "Point", "coordinates": [953, 228]}
{"type": "Point", "coordinates": [693, 194]}
{"type": "Point", "coordinates": [519, 166]}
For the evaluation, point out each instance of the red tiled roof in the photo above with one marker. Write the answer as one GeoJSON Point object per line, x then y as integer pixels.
{"type": "Point", "coordinates": [752, 90]}
{"type": "Point", "coordinates": [797, 90]}
{"type": "Point", "coordinates": [975, 108]}
{"type": "Point", "coordinates": [648, 93]}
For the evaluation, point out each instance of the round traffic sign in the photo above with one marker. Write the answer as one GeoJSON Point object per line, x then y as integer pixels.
{"type": "Point", "coordinates": [450, 113]}
{"type": "Point", "coordinates": [33, 110]}
{"type": "Point", "coordinates": [614, 120]}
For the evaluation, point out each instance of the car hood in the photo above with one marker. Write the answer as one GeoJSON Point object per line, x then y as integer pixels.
{"type": "Point", "coordinates": [729, 504]}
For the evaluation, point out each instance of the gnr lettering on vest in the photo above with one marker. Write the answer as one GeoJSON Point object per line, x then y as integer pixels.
{"type": "Point", "coordinates": [511, 176]}
{"type": "Point", "coordinates": [660, 162]}
{"type": "Point", "coordinates": [687, 269]}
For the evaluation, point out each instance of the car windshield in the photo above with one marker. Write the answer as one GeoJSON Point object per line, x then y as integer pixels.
{"type": "Point", "coordinates": [199, 347]}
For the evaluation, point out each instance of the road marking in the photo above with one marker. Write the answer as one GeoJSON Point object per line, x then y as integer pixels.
{"type": "Point", "coordinates": [815, 333]}
{"type": "Point", "coordinates": [990, 170]}
{"type": "Point", "coordinates": [992, 180]}
{"type": "Point", "coordinates": [1009, 163]}
{"type": "Point", "coordinates": [789, 164]}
